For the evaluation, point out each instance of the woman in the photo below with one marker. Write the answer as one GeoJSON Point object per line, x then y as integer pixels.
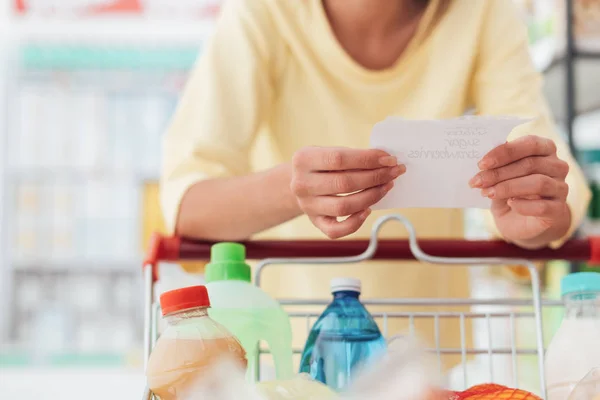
{"type": "Point", "coordinates": [280, 76]}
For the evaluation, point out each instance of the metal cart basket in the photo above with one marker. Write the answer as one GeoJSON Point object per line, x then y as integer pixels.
{"type": "Point", "coordinates": [450, 252]}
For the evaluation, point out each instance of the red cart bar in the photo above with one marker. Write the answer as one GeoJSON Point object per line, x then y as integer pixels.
{"type": "Point", "coordinates": [165, 248]}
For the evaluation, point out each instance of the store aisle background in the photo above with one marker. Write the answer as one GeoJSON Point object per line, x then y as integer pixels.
{"type": "Point", "coordinates": [83, 104]}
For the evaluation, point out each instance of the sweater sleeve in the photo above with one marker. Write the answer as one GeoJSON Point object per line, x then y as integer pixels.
{"type": "Point", "coordinates": [225, 102]}
{"type": "Point", "coordinates": [507, 83]}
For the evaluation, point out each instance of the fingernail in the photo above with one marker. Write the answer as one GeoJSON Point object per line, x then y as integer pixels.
{"type": "Point", "coordinates": [476, 182]}
{"type": "Point", "coordinates": [365, 214]}
{"type": "Point", "coordinates": [485, 164]}
{"type": "Point", "coordinates": [388, 161]}
{"type": "Point", "coordinates": [388, 186]}
{"type": "Point", "coordinates": [398, 170]}
{"type": "Point", "coordinates": [489, 192]}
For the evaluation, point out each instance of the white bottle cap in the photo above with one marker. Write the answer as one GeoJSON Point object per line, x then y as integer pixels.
{"type": "Point", "coordinates": [350, 284]}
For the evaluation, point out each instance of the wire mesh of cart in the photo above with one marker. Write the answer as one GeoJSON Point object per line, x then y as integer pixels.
{"type": "Point", "coordinates": [320, 253]}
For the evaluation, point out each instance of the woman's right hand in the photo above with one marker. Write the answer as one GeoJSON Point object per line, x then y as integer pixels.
{"type": "Point", "coordinates": [330, 183]}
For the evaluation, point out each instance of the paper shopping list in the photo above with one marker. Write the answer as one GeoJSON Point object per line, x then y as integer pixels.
{"type": "Point", "coordinates": [441, 157]}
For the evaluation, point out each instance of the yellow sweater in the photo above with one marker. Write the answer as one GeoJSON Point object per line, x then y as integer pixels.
{"type": "Point", "coordinates": [274, 79]}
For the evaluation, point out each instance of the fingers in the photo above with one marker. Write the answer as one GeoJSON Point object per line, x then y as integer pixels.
{"type": "Point", "coordinates": [335, 229]}
{"type": "Point", "coordinates": [532, 185]}
{"type": "Point", "coordinates": [518, 149]}
{"type": "Point", "coordinates": [341, 206]}
{"type": "Point", "coordinates": [339, 159]}
{"type": "Point", "coordinates": [335, 182]}
{"type": "Point", "coordinates": [332, 183]}
{"type": "Point", "coordinates": [549, 166]}
{"type": "Point", "coordinates": [539, 208]}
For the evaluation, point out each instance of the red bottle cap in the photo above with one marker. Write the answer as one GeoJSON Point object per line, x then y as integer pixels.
{"type": "Point", "coordinates": [183, 299]}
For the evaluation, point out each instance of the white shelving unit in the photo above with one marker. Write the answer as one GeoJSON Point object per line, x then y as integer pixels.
{"type": "Point", "coordinates": [90, 98]}
{"type": "Point", "coordinates": [112, 30]}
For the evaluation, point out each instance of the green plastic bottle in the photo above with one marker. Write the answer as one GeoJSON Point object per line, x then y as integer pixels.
{"type": "Point", "coordinates": [247, 311]}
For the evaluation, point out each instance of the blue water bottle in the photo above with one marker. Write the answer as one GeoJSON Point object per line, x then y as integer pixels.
{"type": "Point", "coordinates": [344, 338]}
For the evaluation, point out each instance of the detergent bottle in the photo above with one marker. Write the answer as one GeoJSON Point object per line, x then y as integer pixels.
{"type": "Point", "coordinates": [247, 311]}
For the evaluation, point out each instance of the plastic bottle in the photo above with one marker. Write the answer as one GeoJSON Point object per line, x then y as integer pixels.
{"type": "Point", "coordinates": [574, 351]}
{"type": "Point", "coordinates": [248, 312]}
{"type": "Point", "coordinates": [343, 339]}
{"type": "Point", "coordinates": [191, 344]}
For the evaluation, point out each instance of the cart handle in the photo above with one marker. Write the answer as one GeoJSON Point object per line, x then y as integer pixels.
{"type": "Point", "coordinates": [174, 248]}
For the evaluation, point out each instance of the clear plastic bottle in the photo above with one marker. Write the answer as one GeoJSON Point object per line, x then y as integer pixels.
{"type": "Point", "coordinates": [191, 344]}
{"type": "Point", "coordinates": [344, 338]}
{"type": "Point", "coordinates": [247, 311]}
{"type": "Point", "coordinates": [574, 351]}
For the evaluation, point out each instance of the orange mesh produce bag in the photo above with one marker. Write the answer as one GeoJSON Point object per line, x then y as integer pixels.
{"type": "Point", "coordinates": [494, 392]}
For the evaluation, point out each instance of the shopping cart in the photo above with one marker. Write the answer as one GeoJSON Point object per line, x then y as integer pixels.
{"type": "Point", "coordinates": [450, 252]}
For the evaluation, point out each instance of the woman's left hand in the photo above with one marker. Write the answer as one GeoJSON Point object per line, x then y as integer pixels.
{"type": "Point", "coordinates": [526, 181]}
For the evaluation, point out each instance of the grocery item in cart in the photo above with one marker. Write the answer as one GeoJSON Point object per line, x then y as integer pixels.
{"type": "Point", "coordinates": [408, 372]}
{"type": "Point", "coordinates": [405, 372]}
{"type": "Point", "coordinates": [344, 338]}
{"type": "Point", "coordinates": [247, 311]}
{"type": "Point", "coordinates": [574, 350]}
{"type": "Point", "coordinates": [191, 344]}
{"type": "Point", "coordinates": [493, 392]}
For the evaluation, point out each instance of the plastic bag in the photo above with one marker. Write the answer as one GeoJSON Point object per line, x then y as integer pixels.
{"type": "Point", "coordinates": [406, 372]}
{"type": "Point", "coordinates": [225, 381]}
{"type": "Point", "coordinates": [588, 388]}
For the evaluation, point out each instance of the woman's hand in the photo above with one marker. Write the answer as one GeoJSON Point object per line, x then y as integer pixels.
{"type": "Point", "coordinates": [337, 182]}
{"type": "Point", "coordinates": [526, 181]}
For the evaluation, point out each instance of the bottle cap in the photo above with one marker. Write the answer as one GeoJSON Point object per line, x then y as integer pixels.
{"type": "Point", "coordinates": [228, 262]}
{"type": "Point", "coordinates": [580, 282]}
{"type": "Point", "coordinates": [342, 284]}
{"type": "Point", "coordinates": [183, 299]}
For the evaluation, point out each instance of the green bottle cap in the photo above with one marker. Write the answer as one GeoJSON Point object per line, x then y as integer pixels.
{"type": "Point", "coordinates": [228, 263]}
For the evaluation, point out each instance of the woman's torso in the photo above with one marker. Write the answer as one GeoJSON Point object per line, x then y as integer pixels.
{"type": "Point", "coordinates": [323, 98]}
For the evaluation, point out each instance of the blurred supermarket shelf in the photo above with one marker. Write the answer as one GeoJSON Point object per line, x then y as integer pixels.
{"type": "Point", "coordinates": [71, 383]}
{"type": "Point", "coordinates": [78, 266]}
{"type": "Point", "coordinates": [119, 59]}
{"type": "Point", "coordinates": [71, 174]}
{"type": "Point", "coordinates": [587, 79]}
{"type": "Point", "coordinates": [592, 55]}
{"type": "Point", "coordinates": [111, 30]}
{"type": "Point", "coordinates": [13, 355]}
